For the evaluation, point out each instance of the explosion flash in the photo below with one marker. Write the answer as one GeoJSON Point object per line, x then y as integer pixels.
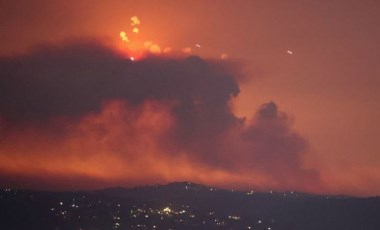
{"type": "Point", "coordinates": [123, 36]}
{"type": "Point", "coordinates": [139, 48]}
{"type": "Point", "coordinates": [135, 21]}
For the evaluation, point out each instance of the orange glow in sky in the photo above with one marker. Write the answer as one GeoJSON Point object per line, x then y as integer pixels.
{"type": "Point", "coordinates": [317, 61]}
{"type": "Point", "coordinates": [102, 147]}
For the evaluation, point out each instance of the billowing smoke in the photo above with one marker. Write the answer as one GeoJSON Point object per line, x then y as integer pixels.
{"type": "Point", "coordinates": [107, 117]}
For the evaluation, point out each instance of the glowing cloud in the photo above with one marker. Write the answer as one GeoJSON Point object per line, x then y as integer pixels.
{"type": "Point", "coordinates": [148, 44]}
{"type": "Point", "coordinates": [167, 50]}
{"type": "Point", "coordinates": [186, 50]}
{"type": "Point", "coordinates": [223, 56]}
{"type": "Point", "coordinates": [155, 49]}
{"type": "Point", "coordinates": [152, 47]}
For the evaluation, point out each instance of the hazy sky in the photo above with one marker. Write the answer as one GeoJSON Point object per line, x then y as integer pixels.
{"type": "Point", "coordinates": [317, 61]}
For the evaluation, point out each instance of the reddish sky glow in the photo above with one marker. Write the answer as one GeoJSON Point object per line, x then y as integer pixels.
{"type": "Point", "coordinates": [316, 60]}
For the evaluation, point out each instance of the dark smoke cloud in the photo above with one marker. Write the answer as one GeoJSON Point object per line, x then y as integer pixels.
{"type": "Point", "coordinates": [73, 80]}
{"type": "Point", "coordinates": [276, 149]}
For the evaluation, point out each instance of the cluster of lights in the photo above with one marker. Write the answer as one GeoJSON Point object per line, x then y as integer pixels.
{"type": "Point", "coordinates": [234, 217]}
{"type": "Point", "coordinates": [250, 193]}
{"type": "Point", "coordinates": [139, 216]}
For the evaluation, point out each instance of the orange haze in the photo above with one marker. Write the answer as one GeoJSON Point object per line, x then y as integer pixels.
{"type": "Point", "coordinates": [318, 60]}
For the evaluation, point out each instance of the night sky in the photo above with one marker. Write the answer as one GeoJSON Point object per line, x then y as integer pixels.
{"type": "Point", "coordinates": [280, 95]}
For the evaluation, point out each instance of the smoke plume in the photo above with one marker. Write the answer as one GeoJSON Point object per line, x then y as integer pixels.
{"type": "Point", "coordinates": [82, 110]}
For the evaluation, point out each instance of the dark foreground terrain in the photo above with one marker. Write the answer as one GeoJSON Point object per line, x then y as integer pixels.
{"type": "Point", "coordinates": [184, 206]}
